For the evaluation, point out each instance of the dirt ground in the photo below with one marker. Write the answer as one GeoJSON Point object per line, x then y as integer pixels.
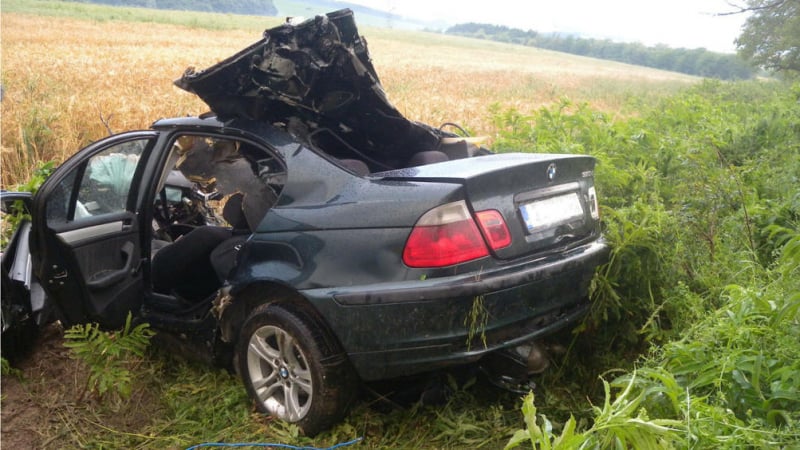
{"type": "Point", "coordinates": [25, 412]}
{"type": "Point", "coordinates": [44, 403]}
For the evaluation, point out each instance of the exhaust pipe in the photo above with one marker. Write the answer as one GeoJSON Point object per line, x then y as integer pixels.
{"type": "Point", "coordinates": [512, 368]}
{"type": "Point", "coordinates": [538, 360]}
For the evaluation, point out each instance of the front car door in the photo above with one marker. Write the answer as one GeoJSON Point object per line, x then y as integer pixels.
{"type": "Point", "coordinates": [87, 232]}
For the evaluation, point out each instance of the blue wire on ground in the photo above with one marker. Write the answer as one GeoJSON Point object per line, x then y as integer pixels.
{"type": "Point", "coordinates": [262, 444]}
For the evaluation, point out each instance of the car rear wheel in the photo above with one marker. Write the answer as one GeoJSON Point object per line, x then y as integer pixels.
{"type": "Point", "coordinates": [292, 369]}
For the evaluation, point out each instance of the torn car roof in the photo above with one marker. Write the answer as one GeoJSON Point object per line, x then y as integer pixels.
{"type": "Point", "coordinates": [315, 79]}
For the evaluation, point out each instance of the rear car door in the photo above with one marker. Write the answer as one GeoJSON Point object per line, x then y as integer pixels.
{"type": "Point", "coordinates": [86, 242]}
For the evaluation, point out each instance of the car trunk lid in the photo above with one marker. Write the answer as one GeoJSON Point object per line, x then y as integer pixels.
{"type": "Point", "coordinates": [547, 201]}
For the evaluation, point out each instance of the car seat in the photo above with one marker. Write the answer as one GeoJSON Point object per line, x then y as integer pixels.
{"type": "Point", "coordinates": [196, 264]}
{"type": "Point", "coordinates": [183, 268]}
{"type": "Point", "coordinates": [427, 157]}
{"type": "Point", "coordinates": [356, 166]}
{"type": "Point", "coordinates": [223, 257]}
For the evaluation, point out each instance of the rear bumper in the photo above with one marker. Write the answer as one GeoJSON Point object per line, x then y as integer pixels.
{"type": "Point", "coordinates": [395, 329]}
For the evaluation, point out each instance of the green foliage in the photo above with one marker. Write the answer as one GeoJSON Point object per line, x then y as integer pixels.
{"type": "Point", "coordinates": [771, 36]}
{"type": "Point", "coordinates": [17, 212]}
{"type": "Point", "coordinates": [7, 370]}
{"type": "Point", "coordinates": [700, 200]}
{"type": "Point", "coordinates": [195, 405]}
{"type": "Point", "coordinates": [641, 263]}
{"type": "Point", "coordinates": [542, 436]}
{"type": "Point", "coordinates": [733, 376]}
{"type": "Point", "coordinates": [40, 174]}
{"type": "Point", "coordinates": [475, 321]}
{"type": "Point", "coordinates": [204, 405]}
{"type": "Point", "coordinates": [623, 423]}
{"type": "Point", "coordinates": [745, 356]}
{"type": "Point", "coordinates": [111, 357]}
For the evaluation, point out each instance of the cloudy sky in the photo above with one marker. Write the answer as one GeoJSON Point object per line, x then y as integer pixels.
{"type": "Point", "coordinates": [677, 23]}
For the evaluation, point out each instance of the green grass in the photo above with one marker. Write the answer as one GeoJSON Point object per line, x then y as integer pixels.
{"type": "Point", "coordinates": [101, 13]}
{"type": "Point", "coordinates": [178, 404]}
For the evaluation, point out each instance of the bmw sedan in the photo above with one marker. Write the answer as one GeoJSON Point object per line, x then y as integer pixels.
{"type": "Point", "coordinates": [309, 236]}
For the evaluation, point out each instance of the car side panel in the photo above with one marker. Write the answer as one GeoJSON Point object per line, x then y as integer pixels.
{"type": "Point", "coordinates": [337, 229]}
{"type": "Point", "coordinates": [319, 195]}
{"type": "Point", "coordinates": [325, 258]}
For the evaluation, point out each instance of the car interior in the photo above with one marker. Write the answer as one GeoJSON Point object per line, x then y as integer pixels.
{"type": "Point", "coordinates": [211, 194]}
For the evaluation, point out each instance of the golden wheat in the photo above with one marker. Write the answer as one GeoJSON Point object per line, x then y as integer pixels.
{"type": "Point", "coordinates": [66, 82]}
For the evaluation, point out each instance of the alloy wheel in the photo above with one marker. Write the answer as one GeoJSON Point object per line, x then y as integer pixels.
{"type": "Point", "coordinates": [280, 373]}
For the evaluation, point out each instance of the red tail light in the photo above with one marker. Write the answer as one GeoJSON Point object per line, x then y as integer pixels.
{"type": "Point", "coordinates": [444, 236]}
{"type": "Point", "coordinates": [494, 228]}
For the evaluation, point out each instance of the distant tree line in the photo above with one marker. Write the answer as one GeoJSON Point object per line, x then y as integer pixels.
{"type": "Point", "coordinates": [700, 62]}
{"type": "Point", "coordinates": [249, 7]}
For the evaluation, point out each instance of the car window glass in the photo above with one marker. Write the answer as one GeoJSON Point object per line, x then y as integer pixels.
{"type": "Point", "coordinates": [58, 201]}
{"type": "Point", "coordinates": [104, 185]}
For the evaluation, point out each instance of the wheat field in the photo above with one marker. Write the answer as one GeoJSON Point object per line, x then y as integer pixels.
{"type": "Point", "coordinates": [69, 81]}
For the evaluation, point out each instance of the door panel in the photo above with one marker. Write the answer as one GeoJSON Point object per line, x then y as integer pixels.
{"type": "Point", "coordinates": [87, 231]}
{"type": "Point", "coordinates": [110, 269]}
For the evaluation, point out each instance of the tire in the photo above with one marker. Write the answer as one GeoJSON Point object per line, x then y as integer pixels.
{"type": "Point", "coordinates": [292, 369]}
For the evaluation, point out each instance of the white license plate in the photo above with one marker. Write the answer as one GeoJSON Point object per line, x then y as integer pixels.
{"type": "Point", "coordinates": [544, 213]}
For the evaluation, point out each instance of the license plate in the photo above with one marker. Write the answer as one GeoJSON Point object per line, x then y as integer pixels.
{"type": "Point", "coordinates": [544, 213]}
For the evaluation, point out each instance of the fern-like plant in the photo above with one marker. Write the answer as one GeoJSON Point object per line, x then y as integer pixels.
{"type": "Point", "coordinates": [110, 356]}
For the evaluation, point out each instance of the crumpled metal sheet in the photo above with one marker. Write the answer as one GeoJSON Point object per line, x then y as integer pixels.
{"type": "Point", "coordinates": [317, 80]}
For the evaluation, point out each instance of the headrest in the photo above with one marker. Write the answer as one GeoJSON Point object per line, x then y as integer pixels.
{"type": "Point", "coordinates": [233, 212]}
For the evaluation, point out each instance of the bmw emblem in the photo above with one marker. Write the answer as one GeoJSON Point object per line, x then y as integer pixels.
{"type": "Point", "coordinates": [551, 172]}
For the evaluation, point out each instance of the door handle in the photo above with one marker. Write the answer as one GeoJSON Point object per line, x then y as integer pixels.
{"type": "Point", "coordinates": [60, 275]}
{"type": "Point", "coordinates": [102, 280]}
{"type": "Point", "coordinates": [127, 224]}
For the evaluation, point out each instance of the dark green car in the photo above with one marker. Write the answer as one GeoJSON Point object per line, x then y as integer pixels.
{"type": "Point", "coordinates": [313, 237]}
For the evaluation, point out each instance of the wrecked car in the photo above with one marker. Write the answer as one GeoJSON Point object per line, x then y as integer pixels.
{"type": "Point", "coordinates": [307, 234]}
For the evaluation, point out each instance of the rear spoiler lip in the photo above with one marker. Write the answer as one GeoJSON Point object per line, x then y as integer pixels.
{"type": "Point", "coordinates": [459, 170]}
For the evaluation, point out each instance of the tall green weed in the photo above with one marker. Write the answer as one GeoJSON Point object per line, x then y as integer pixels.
{"type": "Point", "coordinates": [700, 200]}
{"type": "Point", "coordinates": [110, 356]}
{"type": "Point", "coordinates": [621, 423]}
{"type": "Point", "coordinates": [738, 369]}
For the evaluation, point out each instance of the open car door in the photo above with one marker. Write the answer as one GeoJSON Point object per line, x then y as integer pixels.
{"type": "Point", "coordinates": [86, 241]}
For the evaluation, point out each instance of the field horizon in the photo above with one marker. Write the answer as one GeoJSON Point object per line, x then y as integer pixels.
{"type": "Point", "coordinates": [68, 81]}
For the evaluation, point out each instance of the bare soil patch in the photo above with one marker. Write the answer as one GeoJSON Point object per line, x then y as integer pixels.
{"type": "Point", "coordinates": [45, 403]}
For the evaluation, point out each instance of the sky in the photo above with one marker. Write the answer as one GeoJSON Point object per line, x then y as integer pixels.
{"type": "Point", "coordinates": [676, 23]}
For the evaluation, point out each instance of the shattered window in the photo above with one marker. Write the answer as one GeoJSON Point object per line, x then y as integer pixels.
{"type": "Point", "coordinates": [206, 173]}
